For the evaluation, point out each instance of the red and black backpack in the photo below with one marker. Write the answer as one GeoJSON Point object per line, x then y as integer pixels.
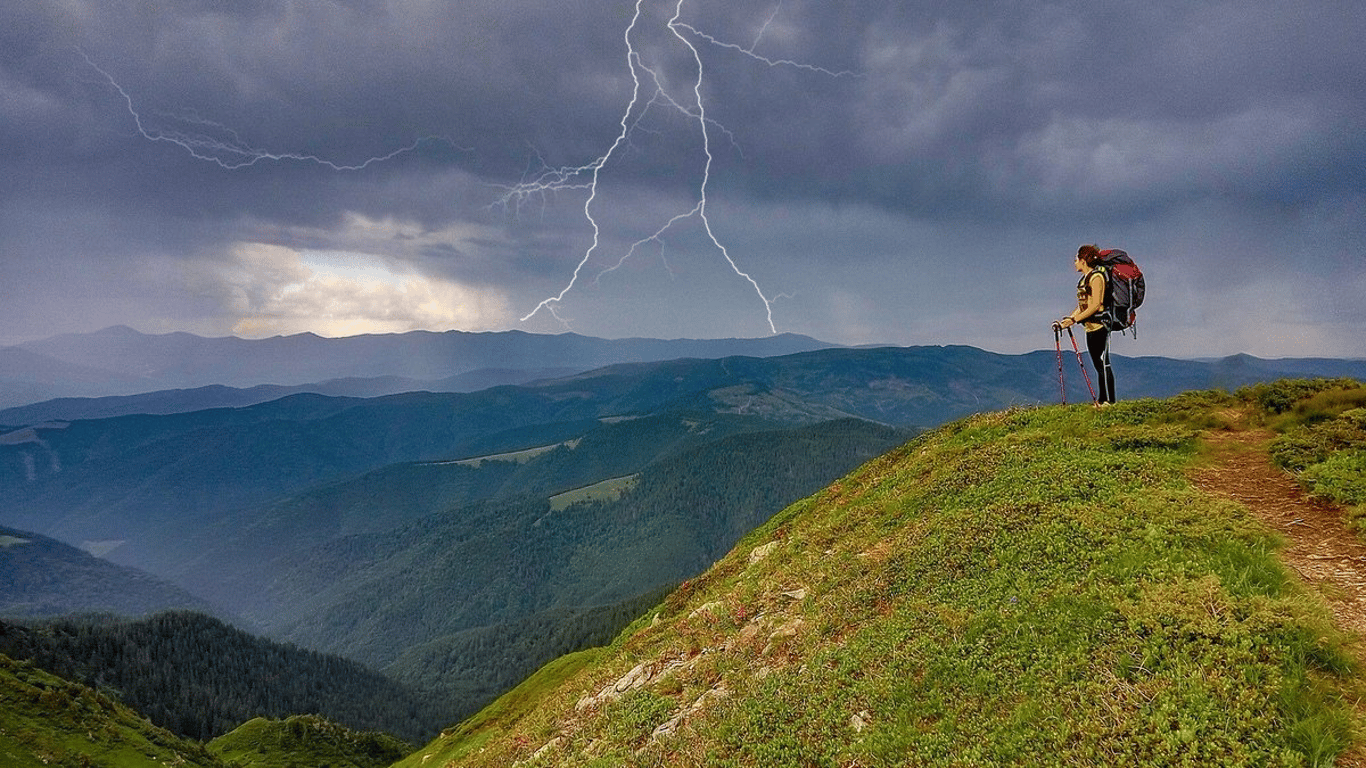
{"type": "Point", "coordinates": [1124, 288]}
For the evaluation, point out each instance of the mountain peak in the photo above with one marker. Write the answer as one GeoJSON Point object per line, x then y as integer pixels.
{"type": "Point", "coordinates": [997, 590]}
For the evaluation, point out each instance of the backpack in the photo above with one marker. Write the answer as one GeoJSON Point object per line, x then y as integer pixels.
{"type": "Point", "coordinates": [1124, 289]}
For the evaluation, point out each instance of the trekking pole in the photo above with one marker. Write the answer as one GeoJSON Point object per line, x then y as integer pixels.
{"type": "Point", "coordinates": [1084, 374]}
{"type": "Point", "coordinates": [1057, 344]}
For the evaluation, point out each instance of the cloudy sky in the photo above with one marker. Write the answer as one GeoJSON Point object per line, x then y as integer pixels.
{"type": "Point", "coordinates": [866, 171]}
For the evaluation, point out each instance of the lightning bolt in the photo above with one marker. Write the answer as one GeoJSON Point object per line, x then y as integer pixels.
{"type": "Point", "coordinates": [227, 150]}
{"type": "Point", "coordinates": [211, 142]}
{"type": "Point", "coordinates": [586, 177]}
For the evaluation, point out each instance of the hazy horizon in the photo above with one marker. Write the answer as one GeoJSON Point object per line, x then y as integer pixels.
{"type": "Point", "coordinates": [901, 173]}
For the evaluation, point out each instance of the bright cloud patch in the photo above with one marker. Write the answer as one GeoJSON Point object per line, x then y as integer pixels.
{"type": "Point", "coordinates": [277, 290]}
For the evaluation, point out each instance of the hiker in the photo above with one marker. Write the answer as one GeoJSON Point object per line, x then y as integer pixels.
{"type": "Point", "coordinates": [1090, 305]}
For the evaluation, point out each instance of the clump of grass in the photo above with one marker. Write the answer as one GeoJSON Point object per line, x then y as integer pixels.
{"type": "Point", "coordinates": [1278, 397]}
{"type": "Point", "coordinates": [634, 717]}
{"type": "Point", "coordinates": [1323, 443]}
{"type": "Point", "coordinates": [1305, 445]}
{"type": "Point", "coordinates": [1200, 409]}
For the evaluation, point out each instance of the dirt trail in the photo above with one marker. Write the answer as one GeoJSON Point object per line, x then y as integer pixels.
{"type": "Point", "coordinates": [1329, 557]}
{"type": "Point", "coordinates": [1320, 548]}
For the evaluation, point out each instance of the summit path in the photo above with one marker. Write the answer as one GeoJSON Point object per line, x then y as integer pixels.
{"type": "Point", "coordinates": [1328, 556]}
{"type": "Point", "coordinates": [1320, 548]}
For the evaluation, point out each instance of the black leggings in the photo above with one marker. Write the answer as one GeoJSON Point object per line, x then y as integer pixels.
{"type": "Point", "coordinates": [1098, 344]}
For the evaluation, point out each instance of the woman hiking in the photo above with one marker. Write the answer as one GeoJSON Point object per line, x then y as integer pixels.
{"type": "Point", "coordinates": [1090, 305]}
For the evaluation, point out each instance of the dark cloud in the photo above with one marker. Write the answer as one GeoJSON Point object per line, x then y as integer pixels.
{"type": "Point", "coordinates": [873, 163]}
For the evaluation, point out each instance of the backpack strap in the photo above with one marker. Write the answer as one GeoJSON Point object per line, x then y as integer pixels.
{"type": "Point", "coordinates": [1084, 290]}
{"type": "Point", "coordinates": [1085, 281]}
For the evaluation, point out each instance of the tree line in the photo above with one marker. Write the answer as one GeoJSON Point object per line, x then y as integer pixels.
{"type": "Point", "coordinates": [200, 678]}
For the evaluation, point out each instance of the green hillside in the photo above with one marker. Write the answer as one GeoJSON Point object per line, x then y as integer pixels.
{"type": "Point", "coordinates": [305, 741]}
{"type": "Point", "coordinates": [47, 721]}
{"type": "Point", "coordinates": [1030, 587]}
{"type": "Point", "coordinates": [200, 678]}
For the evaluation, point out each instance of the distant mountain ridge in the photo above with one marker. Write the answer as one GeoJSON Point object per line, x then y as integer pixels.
{"type": "Point", "coordinates": [371, 526]}
{"type": "Point", "coordinates": [170, 401]}
{"type": "Point", "coordinates": [122, 361]}
{"type": "Point", "coordinates": [43, 577]}
{"type": "Point", "coordinates": [119, 371]}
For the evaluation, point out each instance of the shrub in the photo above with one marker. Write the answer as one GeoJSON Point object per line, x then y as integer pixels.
{"type": "Point", "coordinates": [1278, 397]}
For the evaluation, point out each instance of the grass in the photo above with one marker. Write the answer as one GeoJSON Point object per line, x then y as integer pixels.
{"type": "Point", "coordinates": [1034, 587]}
{"type": "Point", "coordinates": [607, 490]}
{"type": "Point", "coordinates": [1322, 439]}
{"type": "Point", "coordinates": [47, 721]}
{"type": "Point", "coordinates": [470, 736]}
{"type": "Point", "coordinates": [305, 741]}
{"type": "Point", "coordinates": [516, 457]}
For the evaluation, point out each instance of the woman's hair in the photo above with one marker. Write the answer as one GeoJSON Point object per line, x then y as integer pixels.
{"type": "Point", "coordinates": [1089, 254]}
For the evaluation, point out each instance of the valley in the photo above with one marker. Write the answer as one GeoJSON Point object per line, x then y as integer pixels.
{"type": "Point", "coordinates": [455, 543]}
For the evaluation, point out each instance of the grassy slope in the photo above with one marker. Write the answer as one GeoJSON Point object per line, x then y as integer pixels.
{"type": "Point", "coordinates": [47, 721]}
{"type": "Point", "coordinates": [1037, 587]}
{"type": "Point", "coordinates": [305, 741]}
{"type": "Point", "coordinates": [1323, 440]}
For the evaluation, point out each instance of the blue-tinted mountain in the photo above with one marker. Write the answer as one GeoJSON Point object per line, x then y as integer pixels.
{"type": "Point", "coordinates": [43, 577]}
{"type": "Point", "coordinates": [146, 485]}
{"type": "Point", "coordinates": [121, 361]}
{"type": "Point", "coordinates": [173, 401]}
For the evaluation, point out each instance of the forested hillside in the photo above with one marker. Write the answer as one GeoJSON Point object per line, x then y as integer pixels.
{"type": "Point", "coordinates": [305, 741]}
{"type": "Point", "coordinates": [199, 678]}
{"type": "Point", "coordinates": [493, 566]}
{"type": "Point", "coordinates": [40, 577]}
{"type": "Point", "coordinates": [252, 547]}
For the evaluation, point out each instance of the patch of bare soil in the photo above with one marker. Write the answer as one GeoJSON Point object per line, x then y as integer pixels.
{"type": "Point", "coordinates": [1327, 555]}
{"type": "Point", "coordinates": [1321, 549]}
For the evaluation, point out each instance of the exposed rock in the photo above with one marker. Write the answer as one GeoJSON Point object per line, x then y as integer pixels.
{"type": "Point", "coordinates": [786, 632]}
{"type": "Point", "coordinates": [711, 608]}
{"type": "Point", "coordinates": [670, 727]}
{"type": "Point", "coordinates": [549, 745]}
{"type": "Point", "coordinates": [762, 552]}
{"type": "Point", "coordinates": [640, 676]}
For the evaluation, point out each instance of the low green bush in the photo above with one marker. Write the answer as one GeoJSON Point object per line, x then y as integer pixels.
{"type": "Point", "coordinates": [1278, 397]}
{"type": "Point", "coordinates": [1323, 442]}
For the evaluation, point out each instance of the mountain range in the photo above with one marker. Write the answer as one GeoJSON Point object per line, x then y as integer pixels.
{"type": "Point", "coordinates": [122, 361]}
{"type": "Point", "coordinates": [1032, 586]}
{"type": "Point", "coordinates": [459, 540]}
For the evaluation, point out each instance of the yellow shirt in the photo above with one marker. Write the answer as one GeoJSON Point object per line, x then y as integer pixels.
{"type": "Point", "coordinates": [1089, 290]}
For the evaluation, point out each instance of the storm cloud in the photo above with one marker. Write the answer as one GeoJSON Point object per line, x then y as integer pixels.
{"type": "Point", "coordinates": [874, 171]}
